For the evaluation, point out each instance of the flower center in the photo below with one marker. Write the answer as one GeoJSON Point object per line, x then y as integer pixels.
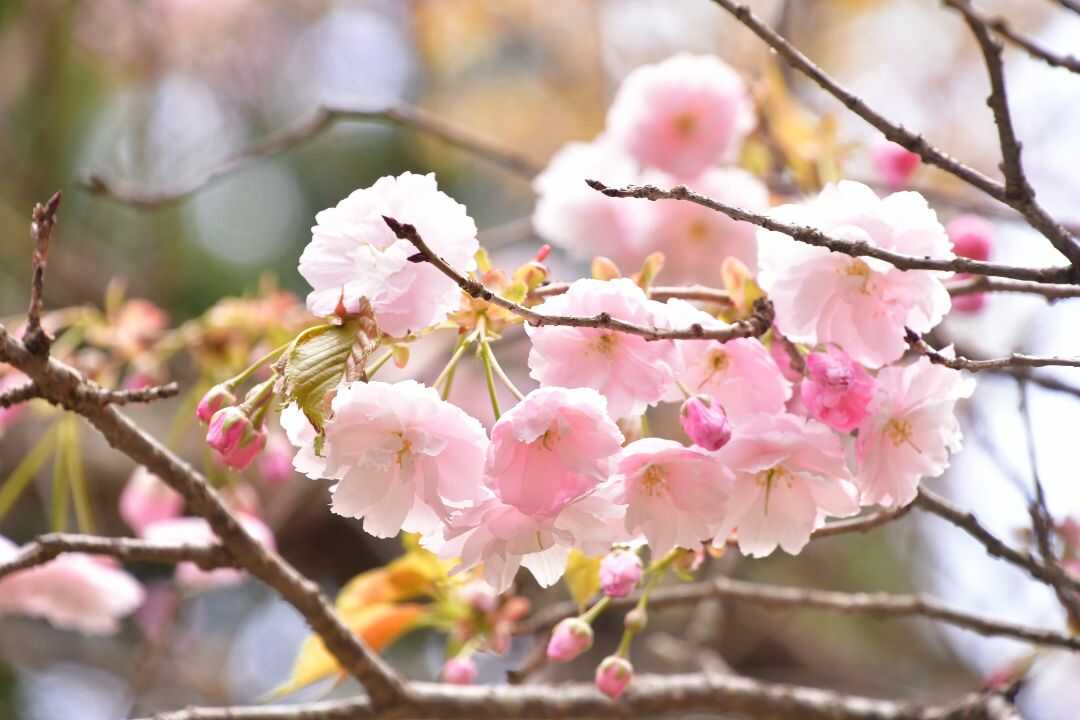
{"type": "Point", "coordinates": [684, 124]}
{"type": "Point", "coordinates": [653, 482]}
{"type": "Point", "coordinates": [605, 343]}
{"type": "Point", "coordinates": [899, 431]}
{"type": "Point", "coordinates": [768, 478]}
{"type": "Point", "coordinates": [698, 231]}
{"type": "Point", "coordinates": [718, 363]}
{"type": "Point", "coordinates": [404, 451]}
{"type": "Point", "coordinates": [861, 271]}
{"type": "Point", "coordinates": [549, 438]}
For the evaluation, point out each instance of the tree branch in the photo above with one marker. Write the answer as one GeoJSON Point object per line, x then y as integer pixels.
{"type": "Point", "coordinates": [1006, 193]}
{"type": "Point", "coordinates": [983, 283]}
{"type": "Point", "coordinates": [648, 696]}
{"type": "Point", "coordinates": [42, 221]}
{"type": "Point", "coordinates": [46, 547]}
{"type": "Point", "coordinates": [21, 394]}
{"type": "Point", "coordinates": [962, 363]}
{"type": "Point", "coordinates": [106, 396]}
{"type": "Point", "coordinates": [755, 325]}
{"type": "Point", "coordinates": [321, 119]}
{"type": "Point", "coordinates": [813, 236]}
{"type": "Point", "coordinates": [1001, 26]}
{"type": "Point", "coordinates": [660, 293]}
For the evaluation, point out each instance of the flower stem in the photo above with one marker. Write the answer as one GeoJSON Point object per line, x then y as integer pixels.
{"type": "Point", "coordinates": [594, 612]}
{"type": "Point", "coordinates": [377, 365]}
{"type": "Point", "coordinates": [447, 373]}
{"type": "Point", "coordinates": [501, 374]}
{"type": "Point", "coordinates": [486, 358]}
{"type": "Point", "coordinates": [235, 381]}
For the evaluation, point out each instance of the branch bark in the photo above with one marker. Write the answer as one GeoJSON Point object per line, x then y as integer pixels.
{"type": "Point", "coordinates": [1016, 360]}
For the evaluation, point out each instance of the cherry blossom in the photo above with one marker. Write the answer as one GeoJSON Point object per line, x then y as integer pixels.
{"type": "Point", "coordinates": [613, 675]}
{"type": "Point", "coordinates": [196, 531]}
{"type": "Point", "coordinates": [790, 473]}
{"type": "Point", "coordinates": [630, 371]}
{"type": "Point", "coordinates": [740, 375]}
{"type": "Point", "coordinates": [235, 437]}
{"type": "Point", "coordinates": [146, 499]}
{"type": "Point", "coordinates": [705, 422]}
{"type": "Point", "coordinates": [582, 221]}
{"type": "Point", "coordinates": [302, 436]}
{"type": "Point", "coordinates": [695, 240]}
{"type": "Point", "coordinates": [911, 430]}
{"type": "Point", "coordinates": [73, 591]}
{"type": "Point", "coordinates": [459, 670]}
{"type": "Point", "coordinates": [403, 456]}
{"type": "Point", "coordinates": [620, 572]}
{"type": "Point", "coordinates": [972, 237]}
{"type": "Point", "coordinates": [215, 398]}
{"type": "Point", "coordinates": [354, 255]}
{"type": "Point", "coordinates": [682, 115]}
{"type": "Point", "coordinates": [837, 391]}
{"type": "Point", "coordinates": [894, 163]}
{"type": "Point", "coordinates": [569, 638]}
{"type": "Point", "coordinates": [675, 495]}
{"type": "Point", "coordinates": [862, 304]}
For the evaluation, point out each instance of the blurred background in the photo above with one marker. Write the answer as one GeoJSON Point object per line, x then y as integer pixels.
{"type": "Point", "coordinates": [148, 97]}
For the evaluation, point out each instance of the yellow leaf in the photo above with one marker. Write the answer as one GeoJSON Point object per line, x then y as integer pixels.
{"type": "Point", "coordinates": [582, 577]}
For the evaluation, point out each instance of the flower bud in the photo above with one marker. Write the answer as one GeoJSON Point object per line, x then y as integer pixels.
{"type": "Point", "coordinates": [234, 437]}
{"type": "Point", "coordinates": [620, 571]}
{"type": "Point", "coordinates": [147, 500]}
{"type": "Point", "coordinates": [705, 423]}
{"type": "Point", "coordinates": [570, 638]}
{"type": "Point", "coordinates": [837, 390]}
{"type": "Point", "coordinates": [894, 164]}
{"type": "Point", "coordinates": [613, 675]}
{"type": "Point", "coordinates": [460, 670]}
{"type": "Point", "coordinates": [972, 237]}
{"type": "Point", "coordinates": [636, 620]}
{"type": "Point", "coordinates": [215, 398]}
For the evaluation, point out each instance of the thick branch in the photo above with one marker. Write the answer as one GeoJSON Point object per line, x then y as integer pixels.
{"type": "Point", "coordinates": [127, 397]}
{"type": "Point", "coordinates": [813, 236]}
{"type": "Point", "coordinates": [755, 325]}
{"type": "Point", "coordinates": [916, 143]}
{"type": "Point", "coordinates": [42, 221]}
{"type": "Point", "coordinates": [1016, 360]}
{"type": "Point", "coordinates": [46, 547]}
{"type": "Point", "coordinates": [700, 293]}
{"type": "Point", "coordinates": [21, 394]}
{"type": "Point", "coordinates": [404, 116]}
{"type": "Point", "coordinates": [648, 696]}
{"type": "Point", "coordinates": [62, 385]}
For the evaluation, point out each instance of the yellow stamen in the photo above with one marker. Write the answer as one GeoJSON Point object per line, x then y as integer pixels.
{"type": "Point", "coordinates": [653, 482]}
{"type": "Point", "coordinates": [859, 269]}
{"type": "Point", "coordinates": [899, 431]}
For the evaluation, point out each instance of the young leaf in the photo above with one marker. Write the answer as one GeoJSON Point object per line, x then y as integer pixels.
{"type": "Point", "coordinates": [582, 577]}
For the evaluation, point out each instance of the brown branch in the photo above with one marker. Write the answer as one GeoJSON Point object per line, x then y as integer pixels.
{"type": "Point", "coordinates": [813, 236]}
{"type": "Point", "coordinates": [1044, 381]}
{"type": "Point", "coordinates": [648, 696]}
{"type": "Point", "coordinates": [1073, 5]}
{"type": "Point", "coordinates": [966, 521]}
{"type": "Point", "coordinates": [46, 547]}
{"type": "Point", "coordinates": [983, 283]}
{"type": "Point", "coordinates": [322, 118]}
{"type": "Point", "coordinates": [127, 397]}
{"type": "Point", "coordinates": [21, 394]}
{"type": "Point", "coordinates": [962, 363]}
{"type": "Point", "coordinates": [700, 293]}
{"type": "Point", "coordinates": [42, 221]}
{"type": "Point", "coordinates": [64, 386]}
{"type": "Point", "coordinates": [1001, 26]}
{"type": "Point", "coordinates": [1005, 193]}
{"type": "Point", "coordinates": [755, 325]}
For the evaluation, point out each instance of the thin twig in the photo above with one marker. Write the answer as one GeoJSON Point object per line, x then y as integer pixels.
{"type": "Point", "coordinates": [1001, 26]}
{"type": "Point", "coordinates": [321, 119]}
{"type": "Point", "coordinates": [660, 293]}
{"type": "Point", "coordinates": [1044, 381]}
{"type": "Point", "coordinates": [983, 283]}
{"type": "Point", "coordinates": [962, 363]}
{"type": "Point", "coordinates": [756, 325]}
{"type": "Point", "coordinates": [813, 236]}
{"type": "Point", "coordinates": [914, 142]}
{"type": "Point", "coordinates": [127, 397]}
{"type": "Point", "coordinates": [46, 547]}
{"type": "Point", "coordinates": [42, 221]}
{"type": "Point", "coordinates": [21, 394]}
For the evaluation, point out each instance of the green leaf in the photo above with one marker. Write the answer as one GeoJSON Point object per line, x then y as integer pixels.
{"type": "Point", "coordinates": [313, 367]}
{"type": "Point", "coordinates": [25, 471]}
{"type": "Point", "coordinates": [84, 514]}
{"type": "Point", "coordinates": [582, 577]}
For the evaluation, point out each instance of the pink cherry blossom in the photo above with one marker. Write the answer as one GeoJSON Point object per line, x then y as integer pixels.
{"type": "Point", "coordinates": [235, 438]}
{"type": "Point", "coordinates": [215, 398]}
{"type": "Point", "coordinates": [74, 591]}
{"type": "Point", "coordinates": [196, 531]}
{"type": "Point", "coordinates": [893, 163]}
{"type": "Point", "coordinates": [911, 430]}
{"type": "Point", "coordinates": [630, 371]}
{"type": "Point", "coordinates": [569, 639]}
{"type": "Point", "coordinates": [613, 675]}
{"type": "Point", "coordinates": [276, 461]}
{"type": "Point", "coordinates": [682, 115]}
{"type": "Point", "coordinates": [739, 375]}
{"type": "Point", "coordinates": [353, 254]}
{"type": "Point", "coordinates": [146, 499]}
{"type": "Point", "coordinates": [972, 237]}
{"type": "Point", "coordinates": [790, 473]}
{"type": "Point", "coordinates": [582, 221]}
{"type": "Point", "coordinates": [837, 390]}
{"type": "Point", "coordinates": [675, 495]}
{"type": "Point", "coordinates": [778, 351]}
{"type": "Point", "coordinates": [302, 435]}
{"type": "Point", "coordinates": [620, 572]}
{"type": "Point", "coordinates": [460, 670]}
{"type": "Point", "coordinates": [862, 304]}
{"type": "Point", "coordinates": [404, 456]}
{"type": "Point", "coordinates": [705, 422]}
{"type": "Point", "coordinates": [695, 240]}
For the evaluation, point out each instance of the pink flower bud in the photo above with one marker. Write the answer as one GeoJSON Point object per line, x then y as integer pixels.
{"type": "Point", "coordinates": [705, 423]}
{"type": "Point", "coordinates": [620, 571]}
{"type": "Point", "coordinates": [460, 670]}
{"type": "Point", "coordinates": [837, 390]}
{"type": "Point", "coordinates": [613, 675]}
{"type": "Point", "coordinates": [636, 620]}
{"type": "Point", "coordinates": [215, 398]}
{"type": "Point", "coordinates": [894, 164]}
{"type": "Point", "coordinates": [480, 596]}
{"type": "Point", "coordinates": [146, 500]}
{"type": "Point", "coordinates": [570, 638]}
{"type": "Point", "coordinates": [234, 437]}
{"type": "Point", "coordinates": [972, 237]}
